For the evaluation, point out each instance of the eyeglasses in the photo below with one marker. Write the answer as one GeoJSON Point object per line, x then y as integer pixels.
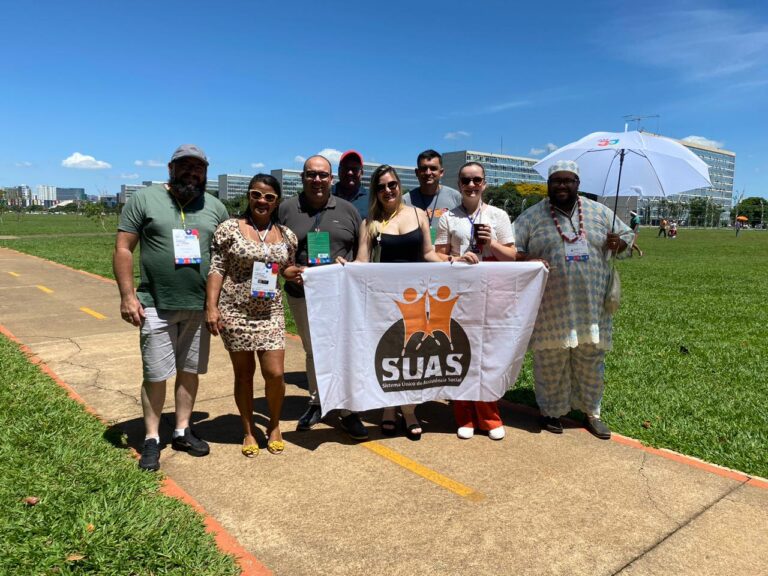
{"type": "Point", "coordinates": [258, 195]}
{"type": "Point", "coordinates": [566, 181]}
{"type": "Point", "coordinates": [476, 180]}
{"type": "Point", "coordinates": [391, 185]}
{"type": "Point", "coordinates": [312, 174]}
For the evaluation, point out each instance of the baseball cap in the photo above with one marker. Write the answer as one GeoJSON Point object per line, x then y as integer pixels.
{"type": "Point", "coordinates": [189, 151]}
{"type": "Point", "coordinates": [349, 153]}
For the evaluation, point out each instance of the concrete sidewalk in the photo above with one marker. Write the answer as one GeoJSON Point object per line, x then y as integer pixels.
{"type": "Point", "coordinates": [534, 503]}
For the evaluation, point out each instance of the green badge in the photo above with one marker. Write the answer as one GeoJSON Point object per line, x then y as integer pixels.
{"type": "Point", "coordinates": [318, 248]}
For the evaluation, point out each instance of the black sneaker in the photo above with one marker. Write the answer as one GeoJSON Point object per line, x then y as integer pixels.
{"type": "Point", "coordinates": [310, 418]}
{"type": "Point", "coordinates": [150, 455]}
{"type": "Point", "coordinates": [354, 428]}
{"type": "Point", "coordinates": [551, 424]}
{"type": "Point", "coordinates": [191, 444]}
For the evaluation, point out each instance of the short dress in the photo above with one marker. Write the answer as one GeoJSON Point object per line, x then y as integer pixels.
{"type": "Point", "coordinates": [249, 324]}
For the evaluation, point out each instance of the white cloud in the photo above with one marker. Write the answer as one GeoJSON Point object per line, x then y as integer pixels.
{"type": "Point", "coordinates": [332, 154]}
{"type": "Point", "coordinates": [131, 176]}
{"type": "Point", "coordinates": [24, 164]}
{"type": "Point", "coordinates": [84, 162]}
{"type": "Point", "coordinates": [504, 106]}
{"type": "Point", "coordinates": [257, 164]}
{"type": "Point", "coordinates": [700, 43]}
{"type": "Point", "coordinates": [457, 135]}
{"type": "Point", "coordinates": [702, 141]}
{"type": "Point", "coordinates": [551, 147]}
{"type": "Point", "coordinates": [536, 151]}
{"type": "Point", "coordinates": [299, 159]}
{"type": "Point", "coordinates": [149, 163]}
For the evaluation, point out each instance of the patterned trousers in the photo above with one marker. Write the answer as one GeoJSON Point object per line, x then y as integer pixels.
{"type": "Point", "coordinates": [569, 378]}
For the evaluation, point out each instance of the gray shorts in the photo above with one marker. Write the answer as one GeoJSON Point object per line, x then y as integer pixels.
{"type": "Point", "coordinates": [173, 340]}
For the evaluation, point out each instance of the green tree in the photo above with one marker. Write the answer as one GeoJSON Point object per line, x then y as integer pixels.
{"type": "Point", "coordinates": [697, 208]}
{"type": "Point", "coordinates": [95, 211]}
{"type": "Point", "coordinates": [753, 208]}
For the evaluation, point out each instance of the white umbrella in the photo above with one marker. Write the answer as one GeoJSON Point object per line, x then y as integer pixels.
{"type": "Point", "coordinates": [656, 165]}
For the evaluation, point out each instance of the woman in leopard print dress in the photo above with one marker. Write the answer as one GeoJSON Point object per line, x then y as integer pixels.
{"type": "Point", "coordinates": [252, 321]}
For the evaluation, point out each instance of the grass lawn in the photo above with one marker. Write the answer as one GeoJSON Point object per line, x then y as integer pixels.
{"type": "Point", "coordinates": [97, 513]}
{"type": "Point", "coordinates": [689, 369]}
{"type": "Point", "coordinates": [34, 224]}
{"type": "Point", "coordinates": [689, 366]}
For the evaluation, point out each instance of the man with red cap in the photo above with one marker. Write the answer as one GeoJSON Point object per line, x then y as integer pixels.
{"type": "Point", "coordinates": [349, 186]}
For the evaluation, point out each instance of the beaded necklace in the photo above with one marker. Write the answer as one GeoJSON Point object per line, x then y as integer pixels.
{"type": "Point", "coordinates": [560, 230]}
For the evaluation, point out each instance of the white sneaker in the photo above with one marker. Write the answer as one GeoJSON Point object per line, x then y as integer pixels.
{"type": "Point", "coordinates": [497, 433]}
{"type": "Point", "coordinates": [465, 433]}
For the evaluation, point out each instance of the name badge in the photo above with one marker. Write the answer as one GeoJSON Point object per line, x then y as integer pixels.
{"type": "Point", "coordinates": [577, 251]}
{"type": "Point", "coordinates": [432, 234]}
{"type": "Point", "coordinates": [186, 246]}
{"type": "Point", "coordinates": [318, 248]}
{"type": "Point", "coordinates": [264, 280]}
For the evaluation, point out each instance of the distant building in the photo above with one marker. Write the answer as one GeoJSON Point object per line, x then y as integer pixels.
{"type": "Point", "coordinates": [109, 201]}
{"type": "Point", "coordinates": [290, 181]}
{"type": "Point", "coordinates": [499, 168]}
{"type": "Point", "coordinates": [127, 190]}
{"type": "Point", "coordinates": [212, 187]}
{"type": "Point", "coordinates": [407, 175]}
{"type": "Point", "coordinates": [45, 196]}
{"type": "Point", "coordinates": [232, 186]}
{"type": "Point", "coordinates": [63, 194]}
{"type": "Point", "coordinates": [18, 196]}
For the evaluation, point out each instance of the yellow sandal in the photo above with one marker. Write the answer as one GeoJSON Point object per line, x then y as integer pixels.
{"type": "Point", "coordinates": [276, 447]}
{"type": "Point", "coordinates": [250, 450]}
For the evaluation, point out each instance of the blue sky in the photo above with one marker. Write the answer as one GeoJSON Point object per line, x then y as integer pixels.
{"type": "Point", "coordinates": [97, 94]}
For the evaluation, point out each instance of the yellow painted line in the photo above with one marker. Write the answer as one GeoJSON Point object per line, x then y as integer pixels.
{"type": "Point", "coordinates": [16, 274]}
{"type": "Point", "coordinates": [424, 472]}
{"type": "Point", "coordinates": [93, 313]}
{"type": "Point", "coordinates": [44, 289]}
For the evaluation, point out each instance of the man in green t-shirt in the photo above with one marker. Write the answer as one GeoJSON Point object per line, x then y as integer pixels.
{"type": "Point", "coordinates": [174, 224]}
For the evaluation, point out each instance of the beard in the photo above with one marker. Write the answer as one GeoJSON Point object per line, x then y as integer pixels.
{"type": "Point", "coordinates": [185, 190]}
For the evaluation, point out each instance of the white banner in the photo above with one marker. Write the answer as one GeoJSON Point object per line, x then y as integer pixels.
{"type": "Point", "coordinates": [394, 334]}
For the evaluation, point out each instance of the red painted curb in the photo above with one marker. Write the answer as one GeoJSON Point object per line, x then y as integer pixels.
{"type": "Point", "coordinates": [227, 543]}
{"type": "Point", "coordinates": [722, 471]}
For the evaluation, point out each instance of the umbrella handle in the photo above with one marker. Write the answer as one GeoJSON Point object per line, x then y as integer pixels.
{"type": "Point", "coordinates": [618, 185]}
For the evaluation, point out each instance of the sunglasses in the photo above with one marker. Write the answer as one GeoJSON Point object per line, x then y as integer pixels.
{"type": "Point", "coordinates": [391, 185]}
{"type": "Point", "coordinates": [258, 195]}
{"type": "Point", "coordinates": [566, 181]}
{"type": "Point", "coordinates": [476, 180]}
{"type": "Point", "coordinates": [312, 174]}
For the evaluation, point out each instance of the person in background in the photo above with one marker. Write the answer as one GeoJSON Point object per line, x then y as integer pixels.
{"type": "Point", "coordinates": [244, 304]}
{"type": "Point", "coordinates": [430, 195]}
{"type": "Point", "coordinates": [634, 223]}
{"type": "Point", "coordinates": [350, 184]}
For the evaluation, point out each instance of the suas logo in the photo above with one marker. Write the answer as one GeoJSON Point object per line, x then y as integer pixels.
{"type": "Point", "coordinates": [427, 348]}
{"type": "Point", "coordinates": [607, 142]}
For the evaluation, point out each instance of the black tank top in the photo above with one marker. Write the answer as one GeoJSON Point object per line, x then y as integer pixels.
{"type": "Point", "coordinates": [403, 247]}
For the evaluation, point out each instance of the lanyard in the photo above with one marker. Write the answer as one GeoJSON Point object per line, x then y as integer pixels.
{"type": "Point", "coordinates": [432, 212]}
{"type": "Point", "coordinates": [266, 231]}
{"type": "Point", "coordinates": [384, 223]}
{"type": "Point", "coordinates": [318, 220]}
{"type": "Point", "coordinates": [475, 215]}
{"type": "Point", "coordinates": [181, 208]}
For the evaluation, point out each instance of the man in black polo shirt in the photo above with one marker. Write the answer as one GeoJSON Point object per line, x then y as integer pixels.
{"type": "Point", "coordinates": [326, 227]}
